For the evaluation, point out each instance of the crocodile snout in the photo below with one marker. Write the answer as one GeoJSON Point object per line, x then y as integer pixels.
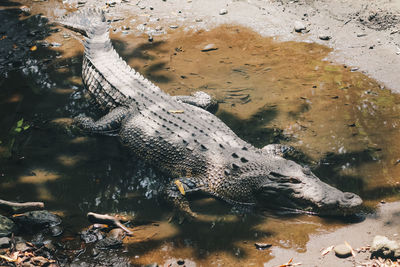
{"type": "Point", "coordinates": [350, 200]}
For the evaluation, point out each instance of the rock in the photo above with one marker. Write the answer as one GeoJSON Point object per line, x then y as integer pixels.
{"type": "Point", "coordinates": [22, 246]}
{"type": "Point", "coordinates": [383, 246]}
{"type": "Point", "coordinates": [37, 219]}
{"type": "Point", "coordinates": [262, 246]}
{"type": "Point", "coordinates": [223, 11]}
{"type": "Point", "coordinates": [6, 226]}
{"type": "Point", "coordinates": [91, 235]}
{"type": "Point", "coordinates": [342, 251]}
{"type": "Point", "coordinates": [55, 230]}
{"type": "Point", "coordinates": [25, 10]}
{"type": "Point", "coordinates": [94, 252]}
{"type": "Point", "coordinates": [108, 243]}
{"type": "Point", "coordinates": [116, 233]}
{"type": "Point", "coordinates": [324, 37]}
{"type": "Point", "coordinates": [5, 242]}
{"type": "Point", "coordinates": [299, 26]}
{"type": "Point", "coordinates": [209, 47]}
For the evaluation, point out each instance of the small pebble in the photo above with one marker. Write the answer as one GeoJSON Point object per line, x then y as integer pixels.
{"type": "Point", "coordinates": [5, 242]}
{"type": "Point", "coordinates": [94, 252]}
{"type": "Point", "coordinates": [223, 11]}
{"type": "Point", "coordinates": [342, 251]}
{"type": "Point", "coordinates": [173, 26]}
{"type": "Point", "coordinates": [22, 247]}
{"type": "Point", "coordinates": [26, 10]}
{"type": "Point", "coordinates": [354, 69]}
{"type": "Point", "coordinates": [209, 47]}
{"type": "Point", "coordinates": [262, 246]}
{"type": "Point", "coordinates": [324, 37]}
{"type": "Point", "coordinates": [55, 230]}
{"type": "Point", "coordinates": [299, 26]}
{"type": "Point", "coordinates": [361, 34]}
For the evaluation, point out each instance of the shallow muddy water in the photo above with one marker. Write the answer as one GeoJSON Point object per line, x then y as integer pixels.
{"type": "Point", "coordinates": [343, 124]}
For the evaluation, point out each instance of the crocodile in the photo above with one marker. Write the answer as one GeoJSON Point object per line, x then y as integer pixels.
{"type": "Point", "coordinates": [177, 135]}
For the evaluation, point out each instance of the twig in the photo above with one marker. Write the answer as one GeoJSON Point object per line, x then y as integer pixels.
{"type": "Point", "coordinates": [17, 207]}
{"type": "Point", "coordinates": [107, 219]}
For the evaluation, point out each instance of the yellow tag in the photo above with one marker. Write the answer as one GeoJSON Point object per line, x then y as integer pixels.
{"type": "Point", "coordinates": [179, 111]}
{"type": "Point", "coordinates": [33, 48]}
{"type": "Point", "coordinates": [180, 187]}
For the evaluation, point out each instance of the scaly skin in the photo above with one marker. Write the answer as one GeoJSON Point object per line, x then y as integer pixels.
{"type": "Point", "coordinates": [193, 146]}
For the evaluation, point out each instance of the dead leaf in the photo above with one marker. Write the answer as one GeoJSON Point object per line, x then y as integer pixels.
{"type": "Point", "coordinates": [33, 48]}
{"type": "Point", "coordinates": [13, 257]}
{"type": "Point", "coordinates": [353, 253]}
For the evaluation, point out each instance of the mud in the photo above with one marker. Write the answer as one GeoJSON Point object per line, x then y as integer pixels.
{"type": "Point", "coordinates": [343, 123]}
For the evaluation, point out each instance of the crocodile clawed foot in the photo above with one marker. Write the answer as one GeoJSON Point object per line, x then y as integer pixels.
{"type": "Point", "coordinates": [180, 216]}
{"type": "Point", "coordinates": [82, 120]}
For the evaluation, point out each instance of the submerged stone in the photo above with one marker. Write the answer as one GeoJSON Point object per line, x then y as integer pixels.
{"type": "Point", "coordinates": [109, 242]}
{"type": "Point", "coordinates": [39, 218]}
{"type": "Point", "coordinates": [7, 226]}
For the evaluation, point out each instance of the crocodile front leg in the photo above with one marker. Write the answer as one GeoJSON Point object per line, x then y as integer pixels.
{"type": "Point", "coordinates": [198, 99]}
{"type": "Point", "coordinates": [106, 124]}
{"type": "Point", "coordinates": [176, 193]}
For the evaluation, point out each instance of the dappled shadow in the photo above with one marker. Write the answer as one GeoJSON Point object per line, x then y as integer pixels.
{"type": "Point", "coordinates": [331, 169]}
{"type": "Point", "coordinates": [148, 52]}
{"type": "Point", "coordinates": [8, 3]}
{"type": "Point", "coordinates": [254, 129]}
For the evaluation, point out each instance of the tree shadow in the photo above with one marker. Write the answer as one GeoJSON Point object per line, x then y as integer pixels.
{"type": "Point", "coordinates": [7, 3]}
{"type": "Point", "coordinates": [254, 129]}
{"type": "Point", "coordinates": [145, 52]}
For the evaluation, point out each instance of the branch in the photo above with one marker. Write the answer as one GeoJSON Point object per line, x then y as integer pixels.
{"type": "Point", "coordinates": [17, 207]}
{"type": "Point", "coordinates": [107, 219]}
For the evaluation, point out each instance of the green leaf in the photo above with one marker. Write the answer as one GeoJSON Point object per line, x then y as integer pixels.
{"type": "Point", "coordinates": [20, 122]}
{"type": "Point", "coordinates": [18, 130]}
{"type": "Point", "coordinates": [26, 127]}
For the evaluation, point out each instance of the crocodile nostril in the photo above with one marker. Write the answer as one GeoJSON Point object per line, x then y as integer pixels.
{"type": "Point", "coordinates": [348, 195]}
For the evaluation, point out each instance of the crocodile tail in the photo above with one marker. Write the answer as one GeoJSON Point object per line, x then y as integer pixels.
{"type": "Point", "coordinates": [84, 21]}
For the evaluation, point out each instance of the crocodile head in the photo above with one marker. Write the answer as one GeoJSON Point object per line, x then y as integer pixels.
{"type": "Point", "coordinates": [292, 187]}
